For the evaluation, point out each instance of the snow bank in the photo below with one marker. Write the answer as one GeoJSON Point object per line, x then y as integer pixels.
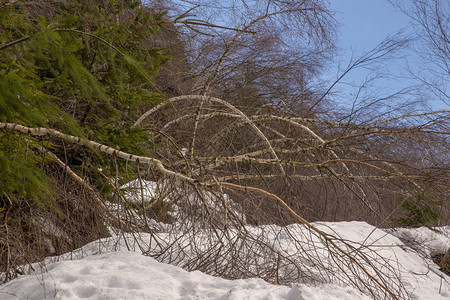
{"type": "Point", "coordinates": [97, 273]}
{"type": "Point", "coordinates": [129, 275]}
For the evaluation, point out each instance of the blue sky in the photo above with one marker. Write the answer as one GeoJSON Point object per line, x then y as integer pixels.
{"type": "Point", "coordinates": [364, 24]}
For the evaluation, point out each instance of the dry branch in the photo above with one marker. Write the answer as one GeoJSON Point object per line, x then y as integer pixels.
{"type": "Point", "coordinates": [322, 234]}
{"type": "Point", "coordinates": [157, 164]}
{"type": "Point", "coordinates": [80, 180]}
{"type": "Point", "coordinates": [220, 101]}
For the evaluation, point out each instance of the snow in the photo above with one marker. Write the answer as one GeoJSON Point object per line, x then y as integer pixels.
{"type": "Point", "coordinates": [424, 240]}
{"type": "Point", "coordinates": [116, 267]}
{"type": "Point", "coordinates": [104, 269]}
{"type": "Point", "coordinates": [129, 275]}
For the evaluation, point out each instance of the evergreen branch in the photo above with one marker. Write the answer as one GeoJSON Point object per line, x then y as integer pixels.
{"type": "Point", "coordinates": [127, 58]}
{"type": "Point", "coordinates": [91, 35]}
{"type": "Point", "coordinates": [14, 42]}
{"type": "Point", "coordinates": [66, 30]}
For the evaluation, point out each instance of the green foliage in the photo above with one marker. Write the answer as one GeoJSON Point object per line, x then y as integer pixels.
{"type": "Point", "coordinates": [418, 211]}
{"type": "Point", "coordinates": [81, 67]}
{"type": "Point", "coordinates": [20, 175]}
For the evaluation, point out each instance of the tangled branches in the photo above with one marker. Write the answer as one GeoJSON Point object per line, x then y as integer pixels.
{"type": "Point", "coordinates": [366, 164]}
{"type": "Point", "coordinates": [246, 168]}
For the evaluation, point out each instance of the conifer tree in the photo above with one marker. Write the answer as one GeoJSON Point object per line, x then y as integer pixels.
{"type": "Point", "coordinates": [85, 68]}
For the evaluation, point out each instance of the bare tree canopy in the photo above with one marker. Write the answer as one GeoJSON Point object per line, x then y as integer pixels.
{"type": "Point", "coordinates": [430, 20]}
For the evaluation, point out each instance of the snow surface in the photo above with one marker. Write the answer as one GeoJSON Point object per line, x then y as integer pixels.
{"type": "Point", "coordinates": [115, 268]}
{"type": "Point", "coordinates": [96, 271]}
{"type": "Point", "coordinates": [129, 275]}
